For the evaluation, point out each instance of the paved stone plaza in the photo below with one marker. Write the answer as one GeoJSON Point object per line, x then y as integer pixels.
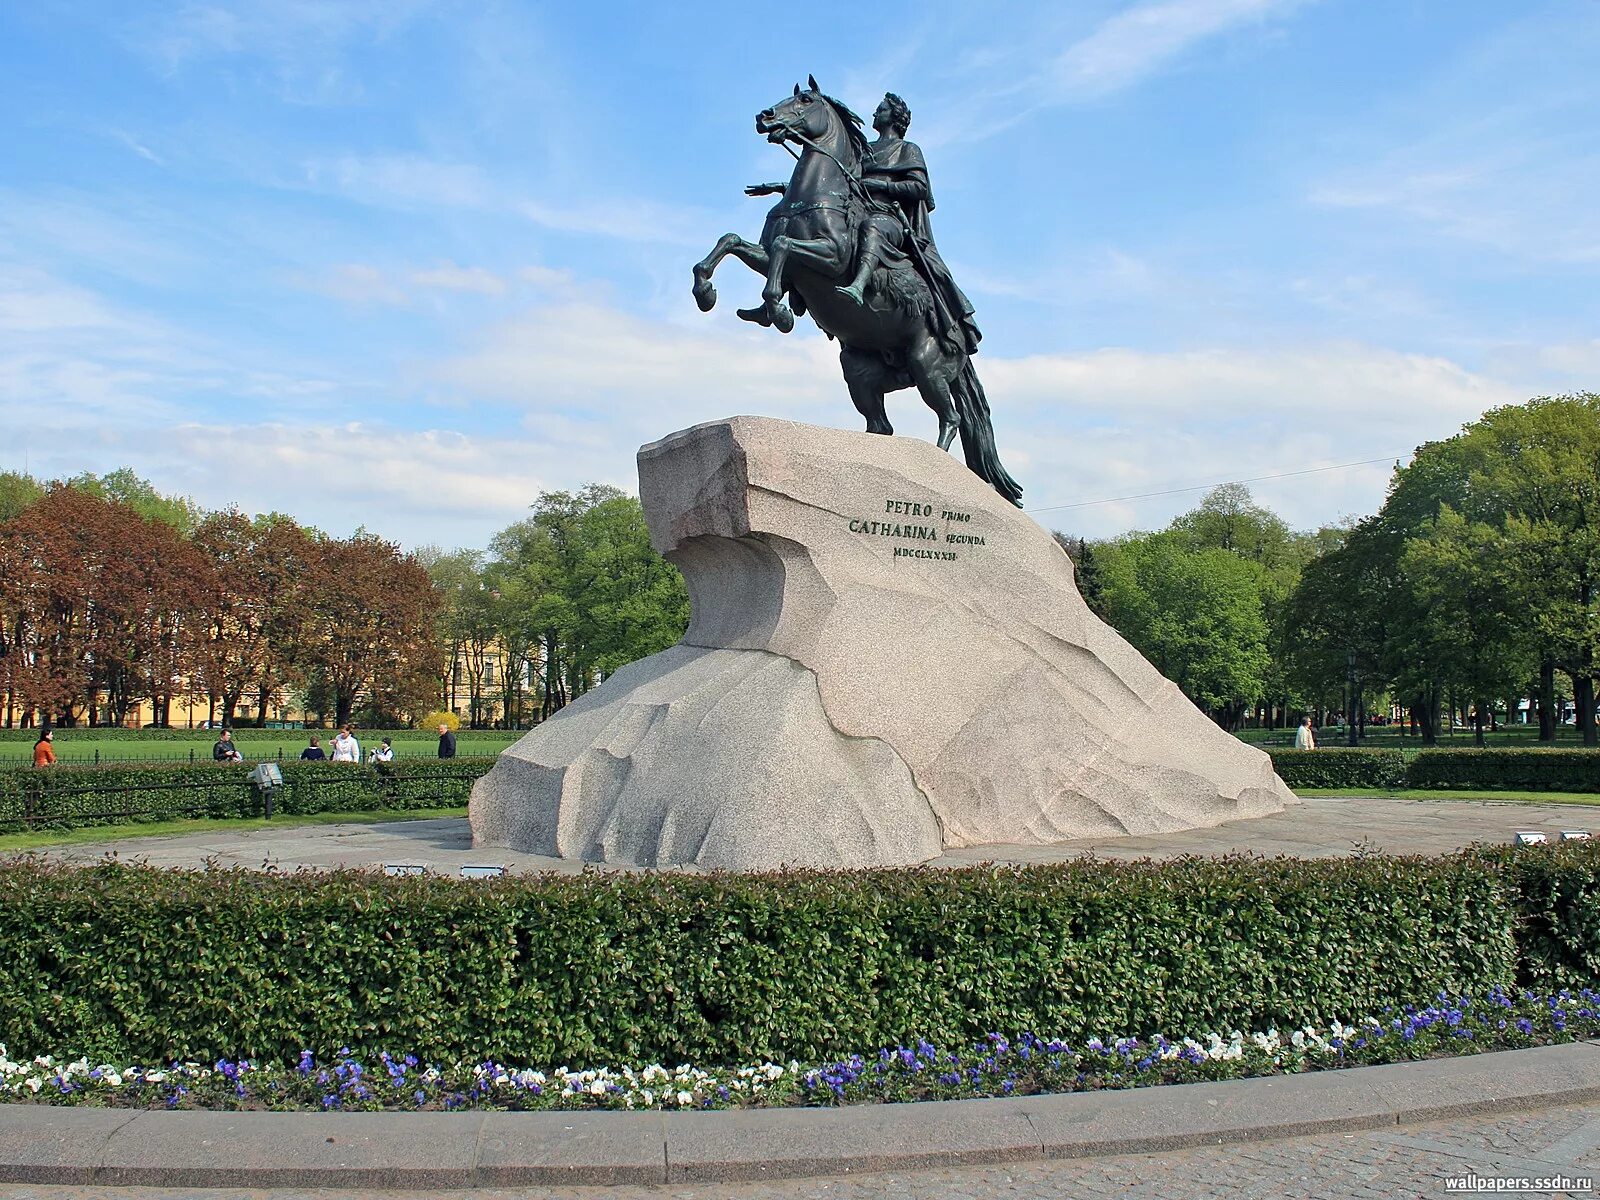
{"type": "Point", "coordinates": [1318, 828]}
{"type": "Point", "coordinates": [1409, 1161]}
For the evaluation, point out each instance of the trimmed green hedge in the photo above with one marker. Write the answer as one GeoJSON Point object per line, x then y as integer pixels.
{"type": "Point", "coordinates": [1525, 770]}
{"type": "Point", "coordinates": [1487, 770]}
{"type": "Point", "coordinates": [1341, 767]}
{"type": "Point", "coordinates": [149, 964]}
{"type": "Point", "coordinates": [1555, 894]}
{"type": "Point", "coordinates": [68, 796]}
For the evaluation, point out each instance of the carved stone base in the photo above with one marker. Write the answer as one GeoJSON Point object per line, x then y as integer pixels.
{"type": "Point", "coordinates": [885, 658]}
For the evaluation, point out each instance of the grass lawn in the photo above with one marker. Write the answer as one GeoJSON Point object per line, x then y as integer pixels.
{"type": "Point", "coordinates": [114, 833]}
{"type": "Point", "coordinates": [1589, 798]}
{"type": "Point", "coordinates": [79, 746]}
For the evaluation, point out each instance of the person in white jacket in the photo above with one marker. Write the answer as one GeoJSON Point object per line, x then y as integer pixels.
{"type": "Point", "coordinates": [345, 746]}
{"type": "Point", "coordinates": [1304, 739]}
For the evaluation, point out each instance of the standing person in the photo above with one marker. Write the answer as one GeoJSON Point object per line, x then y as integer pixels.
{"type": "Point", "coordinates": [314, 752]}
{"type": "Point", "coordinates": [384, 753]}
{"type": "Point", "coordinates": [225, 750]}
{"type": "Point", "coordinates": [1304, 739]}
{"type": "Point", "coordinates": [345, 746]}
{"type": "Point", "coordinates": [44, 751]}
{"type": "Point", "coordinates": [447, 741]}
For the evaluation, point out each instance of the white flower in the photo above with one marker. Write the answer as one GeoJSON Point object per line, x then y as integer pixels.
{"type": "Point", "coordinates": [685, 1099]}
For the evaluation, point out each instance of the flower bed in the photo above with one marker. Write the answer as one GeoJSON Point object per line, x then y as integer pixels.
{"type": "Point", "coordinates": [996, 1066]}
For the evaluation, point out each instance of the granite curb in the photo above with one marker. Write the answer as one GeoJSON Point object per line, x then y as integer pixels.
{"type": "Point", "coordinates": [51, 1145]}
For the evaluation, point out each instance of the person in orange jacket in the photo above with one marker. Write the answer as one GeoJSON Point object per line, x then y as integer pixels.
{"type": "Point", "coordinates": [44, 753]}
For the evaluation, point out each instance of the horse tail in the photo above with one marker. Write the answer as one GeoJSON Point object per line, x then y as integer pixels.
{"type": "Point", "coordinates": [977, 434]}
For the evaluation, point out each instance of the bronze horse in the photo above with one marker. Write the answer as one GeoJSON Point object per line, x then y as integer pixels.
{"type": "Point", "coordinates": [899, 337]}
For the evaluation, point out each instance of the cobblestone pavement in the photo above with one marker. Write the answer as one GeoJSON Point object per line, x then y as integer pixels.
{"type": "Point", "coordinates": [1402, 1161]}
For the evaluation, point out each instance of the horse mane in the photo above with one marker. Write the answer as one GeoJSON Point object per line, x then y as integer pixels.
{"type": "Point", "coordinates": [852, 126]}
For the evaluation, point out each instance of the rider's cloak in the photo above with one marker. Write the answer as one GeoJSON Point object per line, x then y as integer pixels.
{"type": "Point", "coordinates": [902, 164]}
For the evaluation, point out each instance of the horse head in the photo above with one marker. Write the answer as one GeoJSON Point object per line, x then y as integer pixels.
{"type": "Point", "coordinates": [812, 118]}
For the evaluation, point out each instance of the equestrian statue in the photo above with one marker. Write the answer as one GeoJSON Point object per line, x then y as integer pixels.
{"type": "Point", "coordinates": [849, 242]}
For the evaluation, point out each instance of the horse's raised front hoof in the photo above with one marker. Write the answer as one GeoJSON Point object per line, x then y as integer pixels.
{"type": "Point", "coordinates": [782, 318]}
{"type": "Point", "coordinates": [758, 315]}
{"type": "Point", "coordinates": [705, 294]}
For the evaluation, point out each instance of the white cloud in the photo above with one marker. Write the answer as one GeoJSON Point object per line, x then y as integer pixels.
{"type": "Point", "coordinates": [301, 42]}
{"type": "Point", "coordinates": [356, 473]}
{"type": "Point", "coordinates": [401, 286]}
{"type": "Point", "coordinates": [452, 278]}
{"type": "Point", "coordinates": [1120, 423]}
{"type": "Point", "coordinates": [548, 279]}
{"type": "Point", "coordinates": [1094, 426]}
{"type": "Point", "coordinates": [33, 302]}
{"type": "Point", "coordinates": [1138, 41]}
{"type": "Point", "coordinates": [403, 181]}
{"type": "Point", "coordinates": [582, 386]}
{"type": "Point", "coordinates": [1004, 81]}
{"type": "Point", "coordinates": [1496, 148]}
{"type": "Point", "coordinates": [360, 283]}
{"type": "Point", "coordinates": [595, 360]}
{"type": "Point", "coordinates": [1561, 367]}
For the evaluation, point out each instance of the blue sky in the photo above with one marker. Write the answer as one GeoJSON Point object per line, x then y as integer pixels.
{"type": "Point", "coordinates": [405, 264]}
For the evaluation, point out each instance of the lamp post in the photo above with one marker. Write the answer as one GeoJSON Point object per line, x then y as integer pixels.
{"type": "Point", "coordinates": [1350, 708]}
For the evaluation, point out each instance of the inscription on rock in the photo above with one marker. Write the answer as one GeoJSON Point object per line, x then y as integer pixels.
{"type": "Point", "coordinates": [919, 531]}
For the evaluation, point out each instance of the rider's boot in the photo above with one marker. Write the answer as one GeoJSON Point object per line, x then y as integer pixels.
{"type": "Point", "coordinates": [758, 314]}
{"type": "Point", "coordinates": [871, 247]}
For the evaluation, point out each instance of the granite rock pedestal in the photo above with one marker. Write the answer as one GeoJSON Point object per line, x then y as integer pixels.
{"type": "Point", "coordinates": [885, 659]}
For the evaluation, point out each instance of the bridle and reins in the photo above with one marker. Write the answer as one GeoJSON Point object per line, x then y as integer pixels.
{"type": "Point", "coordinates": [853, 178]}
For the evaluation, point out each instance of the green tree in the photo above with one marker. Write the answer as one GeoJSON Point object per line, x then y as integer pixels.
{"type": "Point", "coordinates": [17, 493]}
{"type": "Point", "coordinates": [1339, 618]}
{"type": "Point", "coordinates": [1464, 590]}
{"type": "Point", "coordinates": [1229, 519]}
{"type": "Point", "coordinates": [584, 593]}
{"type": "Point", "coordinates": [1196, 614]}
{"type": "Point", "coordinates": [1532, 472]}
{"type": "Point", "coordinates": [122, 486]}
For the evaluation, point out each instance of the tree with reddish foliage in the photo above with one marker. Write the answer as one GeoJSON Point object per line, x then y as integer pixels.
{"type": "Point", "coordinates": [44, 605]}
{"type": "Point", "coordinates": [371, 618]}
{"type": "Point", "coordinates": [256, 604]}
{"type": "Point", "coordinates": [96, 602]}
{"type": "Point", "coordinates": [145, 606]}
